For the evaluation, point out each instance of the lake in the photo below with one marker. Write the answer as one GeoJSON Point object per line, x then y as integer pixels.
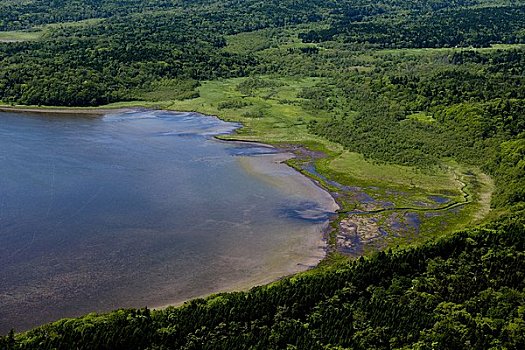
{"type": "Point", "coordinates": [143, 208]}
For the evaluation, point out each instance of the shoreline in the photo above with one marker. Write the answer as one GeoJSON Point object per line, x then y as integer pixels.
{"type": "Point", "coordinates": [219, 138]}
{"type": "Point", "coordinates": [87, 111]}
{"type": "Point", "coordinates": [280, 157]}
{"type": "Point", "coordinates": [245, 286]}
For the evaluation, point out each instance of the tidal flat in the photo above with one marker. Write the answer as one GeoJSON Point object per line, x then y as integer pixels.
{"type": "Point", "coordinates": [143, 208]}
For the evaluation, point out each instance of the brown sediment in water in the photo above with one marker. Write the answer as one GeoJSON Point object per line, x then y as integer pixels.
{"type": "Point", "coordinates": [273, 169]}
{"type": "Point", "coordinates": [305, 252]}
{"type": "Point", "coordinates": [244, 286]}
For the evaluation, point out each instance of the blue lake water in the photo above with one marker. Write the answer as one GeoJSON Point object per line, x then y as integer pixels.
{"type": "Point", "coordinates": [142, 208]}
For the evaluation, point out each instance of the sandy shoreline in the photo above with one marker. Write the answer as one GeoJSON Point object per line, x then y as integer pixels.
{"type": "Point", "coordinates": [244, 286]}
{"type": "Point", "coordinates": [257, 165]}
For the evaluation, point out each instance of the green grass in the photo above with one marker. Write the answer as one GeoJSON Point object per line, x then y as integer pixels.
{"type": "Point", "coordinates": [421, 117]}
{"type": "Point", "coordinates": [431, 51]}
{"type": "Point", "coordinates": [283, 119]}
{"type": "Point", "coordinates": [270, 39]}
{"type": "Point", "coordinates": [450, 179]}
{"type": "Point", "coordinates": [355, 166]}
{"type": "Point", "coordinates": [258, 40]}
{"type": "Point", "coordinates": [41, 31]}
{"type": "Point", "coordinates": [20, 35]}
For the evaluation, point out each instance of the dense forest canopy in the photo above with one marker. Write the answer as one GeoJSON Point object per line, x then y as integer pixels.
{"type": "Point", "coordinates": [147, 40]}
{"type": "Point", "coordinates": [407, 82]}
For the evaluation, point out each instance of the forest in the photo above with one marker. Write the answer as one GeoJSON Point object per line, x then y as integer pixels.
{"type": "Point", "coordinates": [416, 84]}
{"type": "Point", "coordinates": [135, 43]}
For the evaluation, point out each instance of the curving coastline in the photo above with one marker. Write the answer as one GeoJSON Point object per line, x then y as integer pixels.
{"type": "Point", "coordinates": [63, 111]}
{"type": "Point", "coordinates": [305, 252]}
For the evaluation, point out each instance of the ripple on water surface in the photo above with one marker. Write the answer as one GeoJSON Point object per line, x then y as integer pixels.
{"type": "Point", "coordinates": [142, 208]}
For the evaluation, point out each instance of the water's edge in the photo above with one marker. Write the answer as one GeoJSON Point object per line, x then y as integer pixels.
{"type": "Point", "coordinates": [280, 159]}
{"type": "Point", "coordinates": [255, 165]}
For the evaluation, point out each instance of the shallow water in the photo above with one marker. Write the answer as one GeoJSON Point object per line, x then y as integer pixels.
{"type": "Point", "coordinates": [142, 208]}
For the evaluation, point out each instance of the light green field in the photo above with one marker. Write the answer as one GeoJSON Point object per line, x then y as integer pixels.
{"type": "Point", "coordinates": [39, 32]}
{"type": "Point", "coordinates": [251, 41]}
{"type": "Point", "coordinates": [20, 35]}
{"type": "Point", "coordinates": [355, 166]}
{"type": "Point", "coordinates": [431, 51]}
{"type": "Point", "coordinates": [451, 180]}
{"type": "Point", "coordinates": [271, 115]}
{"type": "Point", "coordinates": [421, 117]}
{"type": "Point", "coordinates": [267, 39]}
